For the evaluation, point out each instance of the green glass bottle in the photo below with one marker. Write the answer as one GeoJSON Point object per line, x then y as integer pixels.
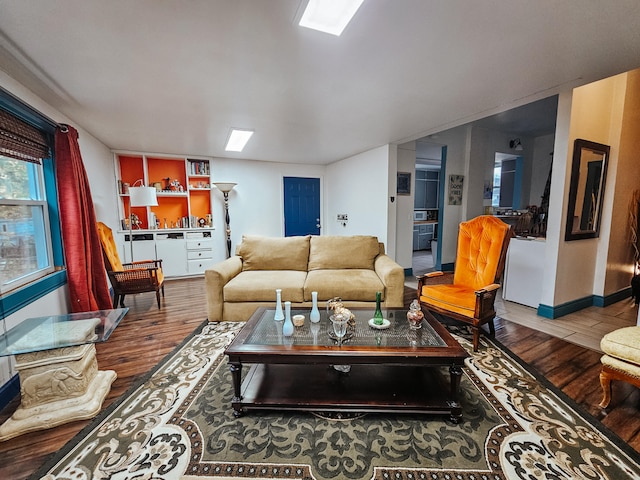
{"type": "Point", "coordinates": [377, 317]}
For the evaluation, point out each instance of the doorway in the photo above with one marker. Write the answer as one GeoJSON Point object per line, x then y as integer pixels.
{"type": "Point", "coordinates": [301, 206]}
{"type": "Point", "coordinates": [428, 201]}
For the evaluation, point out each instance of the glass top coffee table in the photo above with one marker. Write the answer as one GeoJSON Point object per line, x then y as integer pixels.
{"type": "Point", "coordinates": [59, 376]}
{"type": "Point", "coordinates": [393, 369]}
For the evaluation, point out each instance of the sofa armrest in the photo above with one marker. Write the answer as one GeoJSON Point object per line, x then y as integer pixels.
{"type": "Point", "coordinates": [215, 279]}
{"type": "Point", "coordinates": [392, 276]}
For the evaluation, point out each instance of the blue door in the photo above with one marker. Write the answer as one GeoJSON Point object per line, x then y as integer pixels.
{"type": "Point", "coordinates": [301, 206]}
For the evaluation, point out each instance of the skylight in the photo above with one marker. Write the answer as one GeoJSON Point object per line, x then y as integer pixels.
{"type": "Point", "coordinates": [329, 16]}
{"type": "Point", "coordinates": [238, 139]}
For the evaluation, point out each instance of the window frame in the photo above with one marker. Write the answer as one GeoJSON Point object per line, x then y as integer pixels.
{"type": "Point", "coordinates": [18, 298]}
{"type": "Point", "coordinates": [42, 232]}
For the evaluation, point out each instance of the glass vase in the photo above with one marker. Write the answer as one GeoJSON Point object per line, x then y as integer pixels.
{"type": "Point", "coordinates": [314, 316]}
{"type": "Point", "coordinates": [287, 328]}
{"type": "Point", "coordinates": [279, 315]}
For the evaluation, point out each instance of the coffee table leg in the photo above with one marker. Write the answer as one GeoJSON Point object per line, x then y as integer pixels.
{"type": "Point", "coordinates": [455, 372]}
{"type": "Point", "coordinates": [236, 374]}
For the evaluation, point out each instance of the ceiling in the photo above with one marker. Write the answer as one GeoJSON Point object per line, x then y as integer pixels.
{"type": "Point", "coordinates": [173, 77]}
{"type": "Point", "coordinates": [532, 120]}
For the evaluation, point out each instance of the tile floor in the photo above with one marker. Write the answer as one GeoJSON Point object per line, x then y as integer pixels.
{"type": "Point", "coordinates": [585, 327]}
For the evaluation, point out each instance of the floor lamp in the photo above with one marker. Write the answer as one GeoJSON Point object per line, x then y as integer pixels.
{"type": "Point", "coordinates": [140, 197]}
{"type": "Point", "coordinates": [225, 188]}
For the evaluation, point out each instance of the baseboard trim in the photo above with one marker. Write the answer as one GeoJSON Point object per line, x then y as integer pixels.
{"type": "Point", "coordinates": [9, 391]}
{"type": "Point", "coordinates": [447, 267]}
{"type": "Point", "coordinates": [547, 311]}
{"type": "Point", "coordinates": [408, 272]}
{"type": "Point", "coordinates": [600, 301]}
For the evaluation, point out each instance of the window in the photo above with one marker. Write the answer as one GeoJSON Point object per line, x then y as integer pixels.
{"type": "Point", "coordinates": [30, 238]}
{"type": "Point", "coordinates": [507, 181]}
{"type": "Point", "coordinates": [25, 242]}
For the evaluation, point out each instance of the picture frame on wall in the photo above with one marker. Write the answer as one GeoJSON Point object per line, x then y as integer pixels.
{"type": "Point", "coordinates": [455, 189]}
{"type": "Point", "coordinates": [404, 183]}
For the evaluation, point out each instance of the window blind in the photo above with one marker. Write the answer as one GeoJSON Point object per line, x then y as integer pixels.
{"type": "Point", "coordinates": [20, 140]}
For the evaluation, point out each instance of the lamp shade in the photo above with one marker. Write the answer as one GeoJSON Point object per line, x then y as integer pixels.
{"type": "Point", "coordinates": [225, 187]}
{"type": "Point", "coordinates": [143, 197]}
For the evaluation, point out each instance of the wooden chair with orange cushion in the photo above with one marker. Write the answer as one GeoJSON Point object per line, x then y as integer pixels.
{"type": "Point", "coordinates": [469, 293]}
{"type": "Point", "coordinates": [129, 278]}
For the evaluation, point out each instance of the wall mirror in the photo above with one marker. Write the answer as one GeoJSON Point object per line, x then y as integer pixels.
{"type": "Point", "coordinates": [588, 174]}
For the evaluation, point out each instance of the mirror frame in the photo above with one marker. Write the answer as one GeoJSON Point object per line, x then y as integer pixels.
{"type": "Point", "coordinates": [579, 183]}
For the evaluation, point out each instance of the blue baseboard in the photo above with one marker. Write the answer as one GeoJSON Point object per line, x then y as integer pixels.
{"type": "Point", "coordinates": [447, 267]}
{"type": "Point", "coordinates": [9, 391]}
{"type": "Point", "coordinates": [408, 272]}
{"type": "Point", "coordinates": [600, 301]}
{"type": "Point", "coordinates": [581, 303]}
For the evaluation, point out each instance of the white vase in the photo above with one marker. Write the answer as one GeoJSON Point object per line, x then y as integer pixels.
{"type": "Point", "coordinates": [279, 315]}
{"type": "Point", "coordinates": [287, 328]}
{"type": "Point", "coordinates": [314, 316]}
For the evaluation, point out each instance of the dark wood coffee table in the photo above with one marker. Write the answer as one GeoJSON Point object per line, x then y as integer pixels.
{"type": "Point", "coordinates": [391, 370]}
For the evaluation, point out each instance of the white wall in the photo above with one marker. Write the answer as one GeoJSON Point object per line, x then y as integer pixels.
{"type": "Point", "coordinates": [359, 187]}
{"type": "Point", "coordinates": [557, 200]}
{"type": "Point", "coordinates": [592, 109]}
{"type": "Point", "coordinates": [404, 209]}
{"type": "Point", "coordinates": [256, 203]}
{"type": "Point", "coordinates": [456, 141]}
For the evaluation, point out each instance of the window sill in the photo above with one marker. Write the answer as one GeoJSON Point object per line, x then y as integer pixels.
{"type": "Point", "coordinates": [20, 298]}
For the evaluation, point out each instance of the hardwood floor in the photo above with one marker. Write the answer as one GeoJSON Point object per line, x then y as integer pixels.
{"type": "Point", "coordinates": [147, 335]}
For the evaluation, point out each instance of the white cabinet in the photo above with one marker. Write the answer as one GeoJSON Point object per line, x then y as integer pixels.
{"type": "Point", "coordinates": [183, 252]}
{"type": "Point", "coordinates": [199, 252]}
{"type": "Point", "coordinates": [171, 249]}
{"type": "Point", "coordinates": [143, 247]}
{"type": "Point", "coordinates": [523, 273]}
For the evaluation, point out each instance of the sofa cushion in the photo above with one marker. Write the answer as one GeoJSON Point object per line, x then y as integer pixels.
{"type": "Point", "coordinates": [274, 253]}
{"type": "Point", "coordinates": [260, 286]}
{"type": "Point", "coordinates": [341, 252]}
{"type": "Point", "coordinates": [356, 284]}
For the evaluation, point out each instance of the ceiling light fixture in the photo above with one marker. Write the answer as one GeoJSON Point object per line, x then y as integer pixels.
{"type": "Point", "coordinates": [238, 139]}
{"type": "Point", "coordinates": [329, 16]}
{"type": "Point", "coordinates": [516, 144]}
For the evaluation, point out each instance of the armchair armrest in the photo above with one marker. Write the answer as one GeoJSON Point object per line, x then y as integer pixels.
{"type": "Point", "coordinates": [392, 276]}
{"type": "Point", "coordinates": [434, 278]}
{"type": "Point", "coordinates": [143, 264]}
{"type": "Point", "coordinates": [215, 279]}
{"type": "Point", "coordinates": [488, 288]}
{"type": "Point", "coordinates": [485, 298]}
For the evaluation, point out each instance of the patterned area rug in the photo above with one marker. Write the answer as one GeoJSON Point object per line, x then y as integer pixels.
{"type": "Point", "coordinates": [178, 424]}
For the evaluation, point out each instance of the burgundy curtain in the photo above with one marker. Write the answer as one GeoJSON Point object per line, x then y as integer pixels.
{"type": "Point", "coordinates": [88, 287]}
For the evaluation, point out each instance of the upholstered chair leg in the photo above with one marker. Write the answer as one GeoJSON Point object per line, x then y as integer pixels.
{"type": "Point", "coordinates": [476, 338]}
{"type": "Point", "coordinates": [162, 289]}
{"type": "Point", "coordinates": [121, 300]}
{"type": "Point", "coordinates": [605, 381]}
{"type": "Point", "coordinates": [158, 298]}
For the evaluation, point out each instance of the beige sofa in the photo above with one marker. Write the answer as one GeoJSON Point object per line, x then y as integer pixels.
{"type": "Point", "coordinates": [351, 267]}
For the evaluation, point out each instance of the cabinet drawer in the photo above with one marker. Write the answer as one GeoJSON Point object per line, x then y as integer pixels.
{"type": "Point", "coordinates": [199, 266]}
{"type": "Point", "coordinates": [199, 254]}
{"type": "Point", "coordinates": [200, 244]}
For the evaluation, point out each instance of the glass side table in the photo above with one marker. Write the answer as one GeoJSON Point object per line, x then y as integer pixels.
{"type": "Point", "coordinates": [56, 361]}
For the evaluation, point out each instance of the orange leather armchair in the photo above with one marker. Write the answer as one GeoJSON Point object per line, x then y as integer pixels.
{"type": "Point", "coordinates": [469, 293]}
{"type": "Point", "coordinates": [129, 278]}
